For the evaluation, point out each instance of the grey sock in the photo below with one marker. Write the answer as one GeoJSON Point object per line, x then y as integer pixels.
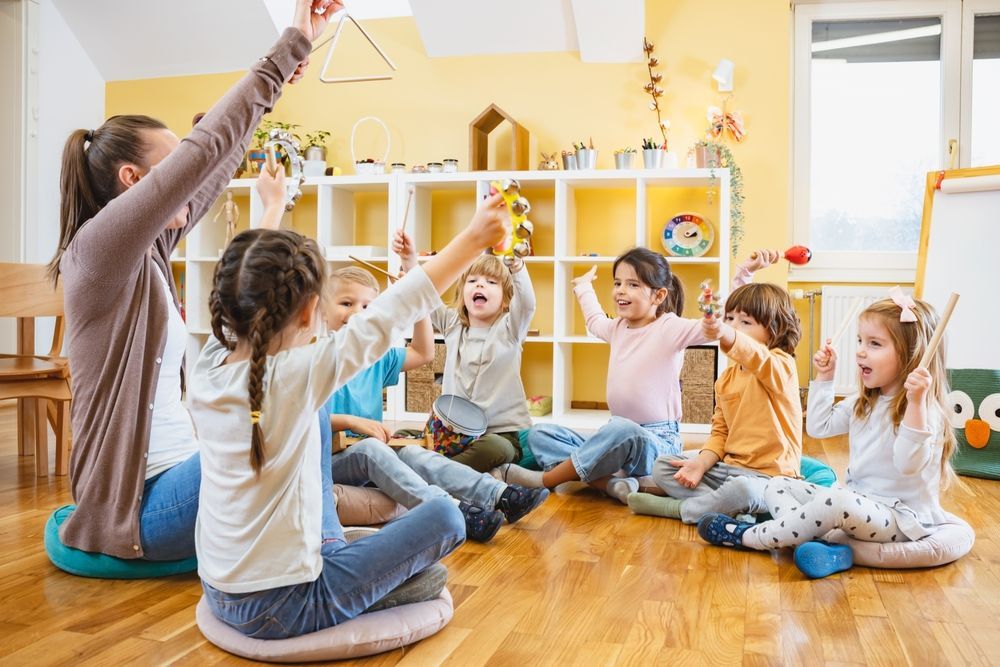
{"type": "Point", "coordinates": [647, 503]}
{"type": "Point", "coordinates": [619, 488]}
{"type": "Point", "coordinates": [512, 473]}
{"type": "Point", "coordinates": [739, 495]}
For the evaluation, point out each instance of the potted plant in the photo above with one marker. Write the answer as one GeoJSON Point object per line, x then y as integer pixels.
{"type": "Point", "coordinates": [256, 155]}
{"type": "Point", "coordinates": [316, 145]}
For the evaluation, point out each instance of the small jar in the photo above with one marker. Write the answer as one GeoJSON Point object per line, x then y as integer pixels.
{"type": "Point", "coordinates": [418, 169]}
{"type": "Point", "coordinates": [451, 166]}
{"type": "Point", "coordinates": [398, 167]}
{"type": "Point", "coordinates": [435, 167]}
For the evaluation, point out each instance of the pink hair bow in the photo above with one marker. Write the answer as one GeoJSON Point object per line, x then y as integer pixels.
{"type": "Point", "coordinates": [905, 304]}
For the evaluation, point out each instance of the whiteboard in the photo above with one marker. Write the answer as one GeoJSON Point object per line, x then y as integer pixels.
{"type": "Point", "coordinates": [960, 252]}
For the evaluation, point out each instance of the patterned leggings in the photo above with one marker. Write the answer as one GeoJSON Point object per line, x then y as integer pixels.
{"type": "Point", "coordinates": [804, 512]}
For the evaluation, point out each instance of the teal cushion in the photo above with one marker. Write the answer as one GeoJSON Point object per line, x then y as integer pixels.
{"type": "Point", "coordinates": [816, 472]}
{"type": "Point", "coordinates": [102, 566]}
{"type": "Point", "coordinates": [527, 457]}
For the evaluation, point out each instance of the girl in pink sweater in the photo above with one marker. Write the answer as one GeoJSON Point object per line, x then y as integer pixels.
{"type": "Point", "coordinates": [647, 339]}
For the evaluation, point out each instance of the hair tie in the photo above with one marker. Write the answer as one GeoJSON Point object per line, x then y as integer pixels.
{"type": "Point", "coordinates": [255, 417]}
{"type": "Point", "coordinates": [905, 303]}
{"type": "Point", "coordinates": [89, 136]}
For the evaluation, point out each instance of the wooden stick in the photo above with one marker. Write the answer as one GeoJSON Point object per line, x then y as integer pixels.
{"type": "Point", "coordinates": [374, 268]}
{"type": "Point", "coordinates": [939, 331]}
{"type": "Point", "coordinates": [847, 322]}
{"type": "Point", "coordinates": [272, 161]}
{"type": "Point", "coordinates": [406, 213]}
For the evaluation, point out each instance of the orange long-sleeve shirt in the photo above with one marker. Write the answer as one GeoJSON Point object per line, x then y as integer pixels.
{"type": "Point", "coordinates": [758, 417]}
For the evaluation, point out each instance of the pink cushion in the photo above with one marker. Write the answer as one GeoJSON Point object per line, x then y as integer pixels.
{"type": "Point", "coordinates": [947, 543]}
{"type": "Point", "coordinates": [364, 506]}
{"type": "Point", "coordinates": [367, 634]}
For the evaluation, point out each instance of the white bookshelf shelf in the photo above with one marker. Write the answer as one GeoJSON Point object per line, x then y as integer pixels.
{"type": "Point", "coordinates": [575, 213]}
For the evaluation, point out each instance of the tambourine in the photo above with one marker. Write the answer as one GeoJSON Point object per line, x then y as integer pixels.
{"type": "Point", "coordinates": [519, 243]}
{"type": "Point", "coordinates": [290, 146]}
{"type": "Point", "coordinates": [454, 424]}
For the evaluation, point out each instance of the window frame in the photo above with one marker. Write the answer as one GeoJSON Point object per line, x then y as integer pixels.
{"type": "Point", "coordinates": [970, 8]}
{"type": "Point", "coordinates": [867, 266]}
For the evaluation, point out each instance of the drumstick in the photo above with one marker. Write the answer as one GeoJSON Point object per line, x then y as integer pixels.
{"type": "Point", "coordinates": [406, 213]}
{"type": "Point", "coordinates": [272, 161]}
{"type": "Point", "coordinates": [374, 268]}
{"type": "Point", "coordinates": [939, 331]}
{"type": "Point", "coordinates": [847, 322]}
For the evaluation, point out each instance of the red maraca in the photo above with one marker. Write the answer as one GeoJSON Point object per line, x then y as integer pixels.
{"type": "Point", "coordinates": [797, 254]}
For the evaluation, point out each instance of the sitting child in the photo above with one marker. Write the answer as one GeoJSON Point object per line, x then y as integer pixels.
{"type": "Point", "coordinates": [899, 439]}
{"type": "Point", "coordinates": [757, 425]}
{"type": "Point", "coordinates": [357, 407]}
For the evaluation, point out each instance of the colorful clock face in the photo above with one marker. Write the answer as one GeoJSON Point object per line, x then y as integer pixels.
{"type": "Point", "coordinates": [688, 235]}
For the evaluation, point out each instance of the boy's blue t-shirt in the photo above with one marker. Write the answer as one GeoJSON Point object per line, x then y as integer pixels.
{"type": "Point", "coordinates": [362, 395]}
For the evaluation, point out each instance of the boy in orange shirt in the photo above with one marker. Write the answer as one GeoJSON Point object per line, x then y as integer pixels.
{"type": "Point", "coordinates": [757, 425]}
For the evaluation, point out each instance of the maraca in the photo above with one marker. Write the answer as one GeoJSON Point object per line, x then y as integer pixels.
{"type": "Point", "coordinates": [708, 301]}
{"type": "Point", "coordinates": [797, 254]}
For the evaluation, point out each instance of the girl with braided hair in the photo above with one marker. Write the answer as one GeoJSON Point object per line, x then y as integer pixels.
{"type": "Point", "coordinates": [272, 558]}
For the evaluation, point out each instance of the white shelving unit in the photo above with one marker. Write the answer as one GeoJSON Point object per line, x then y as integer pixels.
{"type": "Point", "coordinates": [581, 218]}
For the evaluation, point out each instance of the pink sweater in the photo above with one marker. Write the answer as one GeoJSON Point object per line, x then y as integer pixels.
{"type": "Point", "coordinates": [644, 368]}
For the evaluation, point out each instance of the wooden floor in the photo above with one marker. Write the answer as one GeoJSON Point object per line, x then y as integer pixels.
{"type": "Point", "coordinates": [581, 581]}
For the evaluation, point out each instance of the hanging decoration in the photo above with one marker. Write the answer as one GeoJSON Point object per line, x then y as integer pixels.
{"type": "Point", "coordinates": [719, 156]}
{"type": "Point", "coordinates": [654, 89]}
{"type": "Point", "coordinates": [722, 122]}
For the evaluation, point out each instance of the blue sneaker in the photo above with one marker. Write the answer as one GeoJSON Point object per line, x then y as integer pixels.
{"type": "Point", "coordinates": [821, 559]}
{"type": "Point", "coordinates": [516, 501]}
{"type": "Point", "coordinates": [714, 529]}
{"type": "Point", "coordinates": [480, 525]}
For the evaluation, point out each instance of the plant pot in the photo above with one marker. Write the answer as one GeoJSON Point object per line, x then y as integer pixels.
{"type": "Point", "coordinates": [652, 158]}
{"type": "Point", "coordinates": [706, 157]}
{"type": "Point", "coordinates": [586, 158]}
{"type": "Point", "coordinates": [624, 160]}
{"type": "Point", "coordinates": [255, 159]}
{"type": "Point", "coordinates": [312, 168]}
{"type": "Point", "coordinates": [315, 153]}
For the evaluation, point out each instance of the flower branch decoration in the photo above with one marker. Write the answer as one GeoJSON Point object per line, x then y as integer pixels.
{"type": "Point", "coordinates": [654, 89]}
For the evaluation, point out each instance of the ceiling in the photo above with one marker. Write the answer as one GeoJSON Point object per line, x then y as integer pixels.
{"type": "Point", "coordinates": [145, 39]}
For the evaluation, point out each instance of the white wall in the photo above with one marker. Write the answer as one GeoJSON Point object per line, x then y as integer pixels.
{"type": "Point", "coordinates": [70, 96]}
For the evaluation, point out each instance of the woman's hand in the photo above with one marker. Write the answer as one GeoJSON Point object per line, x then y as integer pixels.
{"type": "Point", "coordinates": [311, 18]}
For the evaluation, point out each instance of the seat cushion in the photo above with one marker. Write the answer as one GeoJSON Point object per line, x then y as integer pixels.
{"type": "Point", "coordinates": [946, 544]}
{"type": "Point", "coordinates": [102, 566]}
{"type": "Point", "coordinates": [367, 634]}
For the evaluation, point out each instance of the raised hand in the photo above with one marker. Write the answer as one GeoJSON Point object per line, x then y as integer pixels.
{"type": "Point", "coordinates": [825, 362]}
{"type": "Point", "coordinates": [588, 277]}
{"type": "Point", "coordinates": [402, 245]}
{"type": "Point", "coordinates": [917, 384]}
{"type": "Point", "coordinates": [490, 225]}
{"type": "Point", "coordinates": [711, 327]}
{"type": "Point", "coordinates": [761, 259]}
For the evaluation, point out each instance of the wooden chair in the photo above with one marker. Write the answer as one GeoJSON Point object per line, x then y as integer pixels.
{"type": "Point", "coordinates": [40, 383]}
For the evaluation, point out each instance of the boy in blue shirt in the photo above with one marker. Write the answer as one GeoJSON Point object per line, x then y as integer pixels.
{"type": "Point", "coordinates": [416, 474]}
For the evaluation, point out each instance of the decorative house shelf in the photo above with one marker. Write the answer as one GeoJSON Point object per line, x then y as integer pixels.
{"type": "Point", "coordinates": [576, 214]}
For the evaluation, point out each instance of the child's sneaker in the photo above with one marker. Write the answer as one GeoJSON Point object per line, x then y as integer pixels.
{"type": "Point", "coordinates": [722, 530]}
{"type": "Point", "coordinates": [516, 501]}
{"type": "Point", "coordinates": [821, 559]}
{"type": "Point", "coordinates": [480, 525]}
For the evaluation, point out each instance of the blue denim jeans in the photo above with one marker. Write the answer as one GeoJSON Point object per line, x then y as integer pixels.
{"type": "Point", "coordinates": [354, 576]}
{"type": "Point", "coordinates": [168, 512]}
{"type": "Point", "coordinates": [477, 488]}
{"type": "Point", "coordinates": [621, 444]}
{"type": "Point", "coordinates": [374, 461]}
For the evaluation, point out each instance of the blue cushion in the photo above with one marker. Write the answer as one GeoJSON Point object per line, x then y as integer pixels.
{"type": "Point", "coordinates": [817, 472]}
{"type": "Point", "coordinates": [527, 457]}
{"type": "Point", "coordinates": [102, 566]}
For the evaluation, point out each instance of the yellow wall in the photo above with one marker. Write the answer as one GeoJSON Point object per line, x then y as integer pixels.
{"type": "Point", "coordinates": [429, 105]}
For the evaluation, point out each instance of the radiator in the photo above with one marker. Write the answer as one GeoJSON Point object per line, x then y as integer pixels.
{"type": "Point", "coordinates": [837, 304]}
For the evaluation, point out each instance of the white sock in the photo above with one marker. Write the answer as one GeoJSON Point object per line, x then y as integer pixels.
{"type": "Point", "coordinates": [619, 488]}
{"type": "Point", "coordinates": [512, 473]}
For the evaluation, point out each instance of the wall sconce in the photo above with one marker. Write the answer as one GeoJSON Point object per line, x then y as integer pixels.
{"type": "Point", "coordinates": [723, 75]}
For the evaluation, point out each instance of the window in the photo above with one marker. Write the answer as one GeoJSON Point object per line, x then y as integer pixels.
{"type": "Point", "coordinates": [878, 103]}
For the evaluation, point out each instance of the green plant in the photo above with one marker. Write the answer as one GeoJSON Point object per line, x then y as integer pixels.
{"type": "Point", "coordinates": [262, 133]}
{"type": "Point", "coordinates": [727, 161]}
{"type": "Point", "coordinates": [317, 138]}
